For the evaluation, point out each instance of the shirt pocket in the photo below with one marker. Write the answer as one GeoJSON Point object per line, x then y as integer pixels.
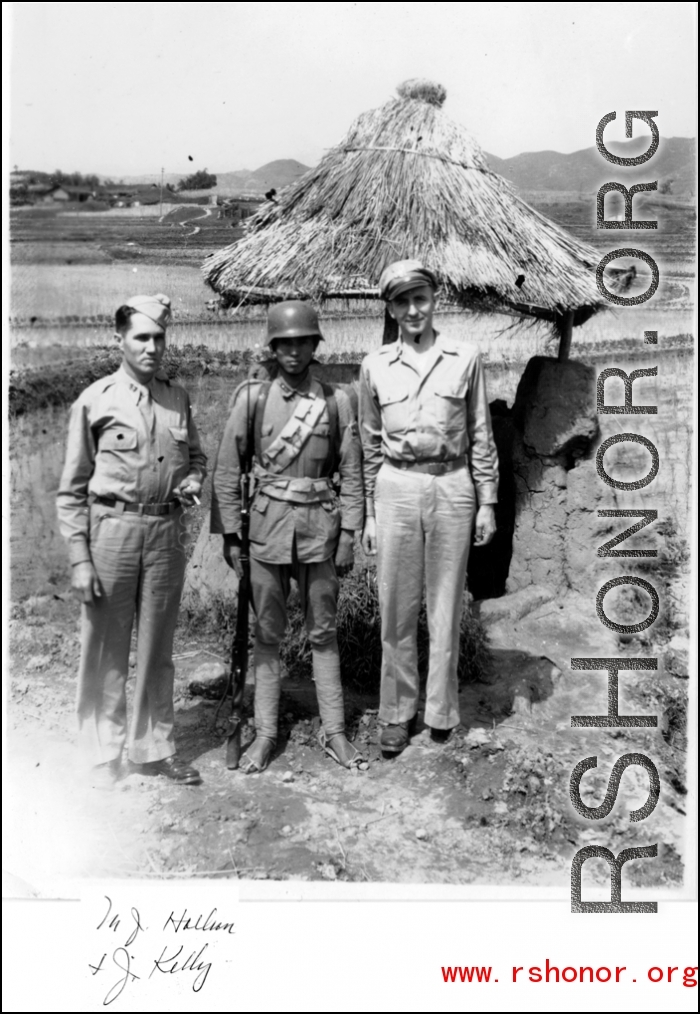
{"type": "Point", "coordinates": [179, 434]}
{"type": "Point", "coordinates": [394, 409]}
{"type": "Point", "coordinates": [180, 447]}
{"type": "Point", "coordinates": [117, 439]}
{"type": "Point", "coordinates": [451, 406]}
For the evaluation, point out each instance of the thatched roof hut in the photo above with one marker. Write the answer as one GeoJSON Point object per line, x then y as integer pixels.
{"type": "Point", "coordinates": [409, 182]}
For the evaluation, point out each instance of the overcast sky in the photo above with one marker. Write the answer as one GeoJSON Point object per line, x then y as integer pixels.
{"type": "Point", "coordinates": [124, 88]}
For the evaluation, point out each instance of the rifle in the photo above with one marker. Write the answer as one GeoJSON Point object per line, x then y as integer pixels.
{"type": "Point", "coordinates": [239, 646]}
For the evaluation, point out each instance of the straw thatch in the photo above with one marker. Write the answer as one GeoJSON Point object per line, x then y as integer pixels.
{"type": "Point", "coordinates": [408, 182]}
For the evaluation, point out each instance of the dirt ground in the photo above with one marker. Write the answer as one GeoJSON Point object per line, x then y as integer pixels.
{"type": "Point", "coordinates": [489, 807]}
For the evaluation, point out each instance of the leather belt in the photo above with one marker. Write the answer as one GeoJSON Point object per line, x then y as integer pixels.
{"type": "Point", "coordinates": [299, 490]}
{"type": "Point", "coordinates": [432, 466]}
{"type": "Point", "coordinates": [138, 508]}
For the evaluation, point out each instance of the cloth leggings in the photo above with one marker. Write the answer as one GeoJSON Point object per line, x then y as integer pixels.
{"type": "Point", "coordinates": [318, 589]}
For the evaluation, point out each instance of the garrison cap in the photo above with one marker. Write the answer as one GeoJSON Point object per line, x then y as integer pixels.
{"type": "Point", "coordinates": [157, 307]}
{"type": "Point", "coordinates": [403, 275]}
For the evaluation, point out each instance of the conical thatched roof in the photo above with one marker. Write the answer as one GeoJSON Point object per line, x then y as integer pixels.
{"type": "Point", "coordinates": [408, 182]}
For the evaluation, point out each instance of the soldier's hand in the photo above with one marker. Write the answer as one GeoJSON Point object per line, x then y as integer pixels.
{"type": "Point", "coordinates": [345, 556]}
{"type": "Point", "coordinates": [485, 525]}
{"type": "Point", "coordinates": [232, 554]}
{"type": "Point", "coordinates": [187, 491]}
{"type": "Point", "coordinates": [369, 537]}
{"type": "Point", "coordinates": [84, 583]}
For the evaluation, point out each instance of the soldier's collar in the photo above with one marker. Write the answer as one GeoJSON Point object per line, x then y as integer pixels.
{"type": "Point", "coordinates": [399, 344]}
{"type": "Point", "coordinates": [122, 376]}
{"type": "Point", "coordinates": [288, 391]}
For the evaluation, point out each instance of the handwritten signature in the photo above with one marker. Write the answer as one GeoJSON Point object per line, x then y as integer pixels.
{"type": "Point", "coordinates": [115, 922]}
{"type": "Point", "coordinates": [191, 964]}
{"type": "Point", "coordinates": [122, 959]}
{"type": "Point", "coordinates": [169, 962]}
{"type": "Point", "coordinates": [210, 923]}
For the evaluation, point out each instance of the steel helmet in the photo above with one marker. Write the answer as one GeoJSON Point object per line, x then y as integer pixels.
{"type": "Point", "coordinates": [292, 319]}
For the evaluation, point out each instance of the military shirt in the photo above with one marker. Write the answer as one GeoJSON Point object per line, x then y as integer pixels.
{"type": "Point", "coordinates": [128, 442]}
{"type": "Point", "coordinates": [292, 510]}
{"type": "Point", "coordinates": [439, 414]}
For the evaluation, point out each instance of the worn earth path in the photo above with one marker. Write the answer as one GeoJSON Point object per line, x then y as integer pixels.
{"type": "Point", "coordinates": [490, 807]}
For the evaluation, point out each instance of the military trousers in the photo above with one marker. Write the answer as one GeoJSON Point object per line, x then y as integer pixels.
{"type": "Point", "coordinates": [318, 591]}
{"type": "Point", "coordinates": [424, 530]}
{"type": "Point", "coordinates": [140, 565]}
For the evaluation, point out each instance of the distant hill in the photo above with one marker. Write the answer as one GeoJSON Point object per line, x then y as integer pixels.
{"type": "Point", "coordinates": [277, 174]}
{"type": "Point", "coordinates": [586, 170]}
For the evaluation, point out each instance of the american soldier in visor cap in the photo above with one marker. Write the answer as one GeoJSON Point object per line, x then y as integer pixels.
{"type": "Point", "coordinates": [302, 431]}
{"type": "Point", "coordinates": [430, 479]}
{"type": "Point", "coordinates": [133, 457]}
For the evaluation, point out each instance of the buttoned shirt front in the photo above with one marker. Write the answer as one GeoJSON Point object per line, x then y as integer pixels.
{"type": "Point", "coordinates": [441, 413]}
{"type": "Point", "coordinates": [284, 521]}
{"type": "Point", "coordinates": [126, 441]}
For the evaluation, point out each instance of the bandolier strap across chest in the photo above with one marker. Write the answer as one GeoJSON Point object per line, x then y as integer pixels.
{"type": "Point", "coordinates": [309, 414]}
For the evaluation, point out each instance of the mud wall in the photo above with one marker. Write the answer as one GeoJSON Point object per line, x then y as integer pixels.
{"type": "Point", "coordinates": [552, 492]}
{"type": "Point", "coordinates": [557, 490]}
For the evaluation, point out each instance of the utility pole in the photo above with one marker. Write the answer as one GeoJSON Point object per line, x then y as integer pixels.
{"type": "Point", "coordinates": [162, 172]}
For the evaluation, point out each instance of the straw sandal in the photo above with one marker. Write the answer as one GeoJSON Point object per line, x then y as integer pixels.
{"type": "Point", "coordinates": [248, 766]}
{"type": "Point", "coordinates": [356, 761]}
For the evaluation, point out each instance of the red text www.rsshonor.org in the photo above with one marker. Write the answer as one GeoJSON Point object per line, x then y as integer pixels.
{"type": "Point", "coordinates": [580, 973]}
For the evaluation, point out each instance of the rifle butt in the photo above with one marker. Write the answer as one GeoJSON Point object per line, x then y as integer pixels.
{"type": "Point", "coordinates": [233, 749]}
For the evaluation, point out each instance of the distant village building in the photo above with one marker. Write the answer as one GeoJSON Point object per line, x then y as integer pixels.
{"type": "Point", "coordinates": [197, 196]}
{"type": "Point", "coordinates": [80, 194]}
{"type": "Point", "coordinates": [117, 196]}
{"type": "Point", "coordinates": [50, 193]}
{"type": "Point", "coordinates": [47, 193]}
{"type": "Point", "coordinates": [238, 208]}
{"type": "Point", "coordinates": [26, 188]}
{"type": "Point", "coordinates": [121, 196]}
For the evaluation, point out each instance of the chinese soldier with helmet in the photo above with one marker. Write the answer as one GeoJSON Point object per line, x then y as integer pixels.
{"type": "Point", "coordinates": [302, 433]}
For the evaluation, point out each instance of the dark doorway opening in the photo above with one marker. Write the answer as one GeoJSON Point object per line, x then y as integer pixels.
{"type": "Point", "coordinates": [488, 566]}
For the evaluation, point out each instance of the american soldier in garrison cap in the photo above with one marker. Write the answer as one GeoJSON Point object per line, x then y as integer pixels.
{"type": "Point", "coordinates": [302, 431]}
{"type": "Point", "coordinates": [430, 478]}
{"type": "Point", "coordinates": [133, 458]}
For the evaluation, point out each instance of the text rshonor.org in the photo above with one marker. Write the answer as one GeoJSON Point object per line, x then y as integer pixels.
{"type": "Point", "coordinates": [551, 973]}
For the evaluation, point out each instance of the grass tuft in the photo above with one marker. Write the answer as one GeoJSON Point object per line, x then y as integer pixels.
{"type": "Point", "coordinates": [359, 638]}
